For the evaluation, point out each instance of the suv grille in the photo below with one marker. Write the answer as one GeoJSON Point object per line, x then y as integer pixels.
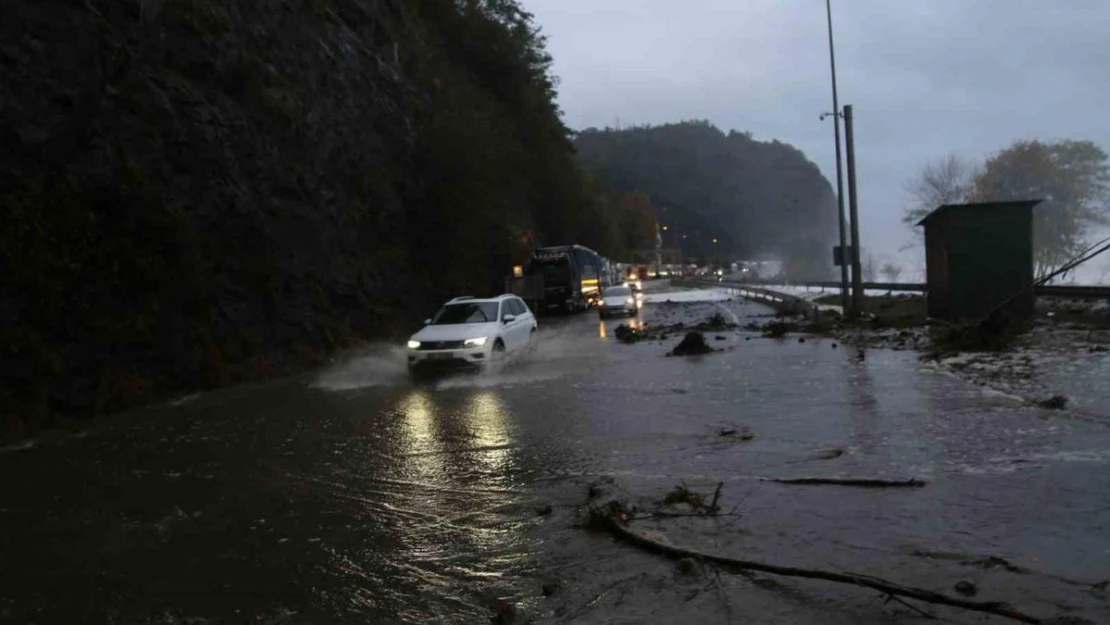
{"type": "Point", "coordinates": [433, 345]}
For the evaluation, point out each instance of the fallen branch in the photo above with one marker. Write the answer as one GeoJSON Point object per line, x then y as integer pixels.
{"type": "Point", "coordinates": [713, 508]}
{"type": "Point", "coordinates": [913, 482]}
{"type": "Point", "coordinates": [994, 562]}
{"type": "Point", "coordinates": [724, 596]}
{"type": "Point", "coordinates": [601, 595]}
{"type": "Point", "coordinates": [609, 520]}
{"type": "Point", "coordinates": [824, 454]}
{"type": "Point", "coordinates": [911, 606]}
{"type": "Point", "coordinates": [662, 514]}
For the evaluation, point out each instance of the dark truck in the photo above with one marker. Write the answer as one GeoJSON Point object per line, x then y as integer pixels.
{"type": "Point", "coordinates": [565, 278]}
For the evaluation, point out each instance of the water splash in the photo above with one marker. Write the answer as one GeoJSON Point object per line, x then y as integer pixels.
{"type": "Point", "coordinates": [727, 313]}
{"type": "Point", "coordinates": [380, 366]}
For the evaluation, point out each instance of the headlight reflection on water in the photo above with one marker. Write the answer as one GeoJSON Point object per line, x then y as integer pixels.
{"type": "Point", "coordinates": [443, 512]}
{"type": "Point", "coordinates": [488, 425]}
{"type": "Point", "coordinates": [421, 442]}
{"type": "Point", "coordinates": [444, 444]}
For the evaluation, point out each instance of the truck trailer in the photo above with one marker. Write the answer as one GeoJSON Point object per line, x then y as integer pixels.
{"type": "Point", "coordinates": [572, 277]}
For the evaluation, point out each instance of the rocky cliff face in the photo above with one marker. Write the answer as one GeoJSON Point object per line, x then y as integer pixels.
{"type": "Point", "coordinates": [201, 191]}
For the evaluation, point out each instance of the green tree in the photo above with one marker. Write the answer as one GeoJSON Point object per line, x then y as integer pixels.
{"type": "Point", "coordinates": [764, 198]}
{"type": "Point", "coordinates": [251, 187]}
{"type": "Point", "coordinates": [637, 220]}
{"type": "Point", "coordinates": [1073, 179]}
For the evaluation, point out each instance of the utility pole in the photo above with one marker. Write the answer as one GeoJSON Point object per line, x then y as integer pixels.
{"type": "Point", "coordinates": [857, 274]}
{"type": "Point", "coordinates": [839, 176]}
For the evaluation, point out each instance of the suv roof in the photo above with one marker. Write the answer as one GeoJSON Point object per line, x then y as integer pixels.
{"type": "Point", "coordinates": [471, 298]}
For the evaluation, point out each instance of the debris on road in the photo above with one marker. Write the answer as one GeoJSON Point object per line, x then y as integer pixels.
{"type": "Point", "coordinates": [687, 566]}
{"type": "Point", "coordinates": [683, 495]}
{"type": "Point", "coordinates": [778, 329]}
{"type": "Point", "coordinates": [595, 489]}
{"type": "Point", "coordinates": [966, 588]}
{"type": "Point", "coordinates": [680, 502]}
{"type": "Point", "coordinates": [744, 433]}
{"type": "Point", "coordinates": [614, 519]}
{"type": "Point", "coordinates": [627, 334]}
{"type": "Point", "coordinates": [505, 614]}
{"type": "Point", "coordinates": [693, 344]}
{"type": "Point", "coordinates": [550, 587]}
{"type": "Point", "coordinates": [822, 454]}
{"type": "Point", "coordinates": [913, 482]}
{"type": "Point", "coordinates": [1067, 619]}
{"type": "Point", "coordinates": [1056, 402]}
{"type": "Point", "coordinates": [716, 321]}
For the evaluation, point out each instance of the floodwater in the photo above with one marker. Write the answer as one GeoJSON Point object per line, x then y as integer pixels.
{"type": "Point", "coordinates": [353, 495]}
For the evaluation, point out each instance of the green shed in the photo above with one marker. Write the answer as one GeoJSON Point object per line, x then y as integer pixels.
{"type": "Point", "coordinates": [979, 256]}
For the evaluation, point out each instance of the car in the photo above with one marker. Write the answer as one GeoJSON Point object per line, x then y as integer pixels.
{"type": "Point", "coordinates": [619, 300]}
{"type": "Point", "coordinates": [472, 332]}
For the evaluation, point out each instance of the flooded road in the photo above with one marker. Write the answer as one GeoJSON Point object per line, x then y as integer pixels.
{"type": "Point", "coordinates": [353, 495]}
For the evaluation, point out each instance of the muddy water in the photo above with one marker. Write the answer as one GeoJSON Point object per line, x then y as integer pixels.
{"type": "Point", "coordinates": [355, 496]}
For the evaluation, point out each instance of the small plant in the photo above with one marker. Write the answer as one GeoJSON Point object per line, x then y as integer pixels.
{"type": "Point", "coordinates": [778, 329]}
{"type": "Point", "coordinates": [681, 494]}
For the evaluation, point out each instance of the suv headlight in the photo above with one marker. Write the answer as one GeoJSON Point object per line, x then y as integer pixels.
{"type": "Point", "coordinates": [631, 300]}
{"type": "Point", "coordinates": [478, 342]}
{"type": "Point", "coordinates": [414, 344]}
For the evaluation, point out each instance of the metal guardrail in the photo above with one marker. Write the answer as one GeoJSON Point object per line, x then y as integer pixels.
{"type": "Point", "coordinates": [1067, 291]}
{"type": "Point", "coordinates": [1071, 291]}
{"type": "Point", "coordinates": [752, 292]}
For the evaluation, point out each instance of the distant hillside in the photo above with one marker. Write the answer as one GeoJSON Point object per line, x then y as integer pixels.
{"type": "Point", "coordinates": [197, 192]}
{"type": "Point", "coordinates": [758, 198]}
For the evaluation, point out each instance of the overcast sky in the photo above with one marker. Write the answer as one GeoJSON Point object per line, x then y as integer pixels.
{"type": "Point", "coordinates": [925, 77]}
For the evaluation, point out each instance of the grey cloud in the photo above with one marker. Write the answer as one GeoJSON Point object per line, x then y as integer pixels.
{"type": "Point", "coordinates": [925, 77]}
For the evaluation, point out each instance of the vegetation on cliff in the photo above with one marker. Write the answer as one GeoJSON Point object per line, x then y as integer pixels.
{"type": "Point", "coordinates": [755, 198]}
{"type": "Point", "coordinates": [198, 192]}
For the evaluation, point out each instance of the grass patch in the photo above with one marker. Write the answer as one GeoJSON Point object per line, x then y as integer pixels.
{"type": "Point", "coordinates": [1080, 315]}
{"type": "Point", "coordinates": [683, 495]}
{"type": "Point", "coordinates": [888, 311]}
{"type": "Point", "coordinates": [996, 332]}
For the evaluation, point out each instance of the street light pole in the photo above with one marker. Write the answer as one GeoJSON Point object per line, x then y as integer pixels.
{"type": "Point", "coordinates": [853, 211]}
{"type": "Point", "coordinates": [839, 176]}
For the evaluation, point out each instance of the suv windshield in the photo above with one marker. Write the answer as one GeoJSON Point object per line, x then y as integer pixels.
{"type": "Point", "coordinates": [617, 291]}
{"type": "Point", "coordinates": [469, 312]}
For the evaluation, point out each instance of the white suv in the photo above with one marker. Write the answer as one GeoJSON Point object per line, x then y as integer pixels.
{"type": "Point", "coordinates": [472, 331]}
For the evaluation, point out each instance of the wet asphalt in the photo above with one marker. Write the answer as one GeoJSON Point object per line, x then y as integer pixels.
{"type": "Point", "coordinates": [355, 495]}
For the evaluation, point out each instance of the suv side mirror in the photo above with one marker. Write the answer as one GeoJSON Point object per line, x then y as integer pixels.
{"type": "Point", "coordinates": [509, 317]}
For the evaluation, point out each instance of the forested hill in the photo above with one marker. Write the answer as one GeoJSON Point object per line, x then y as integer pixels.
{"type": "Point", "coordinates": [756, 197]}
{"type": "Point", "coordinates": [196, 192]}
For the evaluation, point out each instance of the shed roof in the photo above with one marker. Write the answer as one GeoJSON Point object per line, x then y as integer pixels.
{"type": "Point", "coordinates": [948, 207]}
